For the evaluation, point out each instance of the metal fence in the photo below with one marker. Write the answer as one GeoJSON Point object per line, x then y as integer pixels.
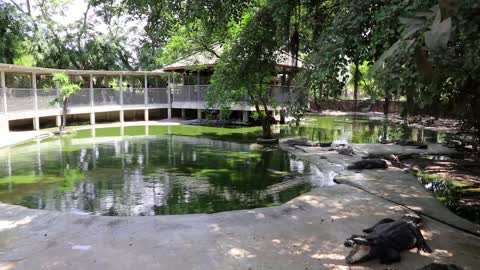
{"type": "Point", "coordinates": [134, 96]}
{"type": "Point", "coordinates": [157, 96]}
{"type": "Point", "coordinates": [106, 96]}
{"type": "Point", "coordinates": [46, 98]}
{"type": "Point", "coordinates": [190, 93]}
{"type": "Point", "coordinates": [80, 99]}
{"type": "Point", "coordinates": [20, 99]}
{"type": "Point", "coordinates": [23, 99]}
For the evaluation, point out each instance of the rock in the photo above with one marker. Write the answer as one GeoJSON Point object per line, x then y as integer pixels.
{"type": "Point", "coordinates": [325, 144]}
{"type": "Point", "coordinates": [368, 164]}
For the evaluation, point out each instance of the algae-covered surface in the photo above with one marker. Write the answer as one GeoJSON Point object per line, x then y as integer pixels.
{"type": "Point", "coordinates": [156, 170]}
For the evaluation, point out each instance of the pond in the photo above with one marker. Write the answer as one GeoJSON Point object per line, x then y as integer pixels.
{"type": "Point", "coordinates": [160, 170]}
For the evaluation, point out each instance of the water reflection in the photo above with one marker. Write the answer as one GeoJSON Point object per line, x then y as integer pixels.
{"type": "Point", "coordinates": [155, 170]}
{"type": "Point", "coordinates": [150, 175]}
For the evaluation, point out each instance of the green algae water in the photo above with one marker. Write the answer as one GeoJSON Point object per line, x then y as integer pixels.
{"type": "Point", "coordinates": [160, 170]}
{"type": "Point", "coordinates": [148, 175]}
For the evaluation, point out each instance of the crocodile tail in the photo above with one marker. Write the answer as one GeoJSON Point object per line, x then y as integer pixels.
{"type": "Point", "coordinates": [421, 243]}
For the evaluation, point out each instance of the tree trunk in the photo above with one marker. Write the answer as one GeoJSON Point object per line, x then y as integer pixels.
{"type": "Point", "coordinates": [386, 105]}
{"type": "Point", "coordinates": [64, 114]}
{"type": "Point", "coordinates": [266, 123]}
{"type": "Point", "coordinates": [266, 127]}
{"type": "Point", "coordinates": [356, 79]}
{"type": "Point", "coordinates": [315, 99]}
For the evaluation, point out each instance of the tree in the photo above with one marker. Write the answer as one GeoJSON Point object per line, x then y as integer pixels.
{"type": "Point", "coordinates": [246, 69]}
{"type": "Point", "coordinates": [102, 38]}
{"type": "Point", "coordinates": [66, 90]}
{"type": "Point", "coordinates": [12, 31]}
{"type": "Point", "coordinates": [440, 48]}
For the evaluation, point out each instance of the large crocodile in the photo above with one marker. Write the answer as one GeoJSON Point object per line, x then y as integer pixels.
{"type": "Point", "coordinates": [386, 239]}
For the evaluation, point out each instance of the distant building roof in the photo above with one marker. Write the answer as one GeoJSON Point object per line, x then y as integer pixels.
{"type": "Point", "coordinates": [204, 58]}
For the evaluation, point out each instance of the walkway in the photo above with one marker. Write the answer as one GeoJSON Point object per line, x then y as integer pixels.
{"type": "Point", "coordinates": [306, 233]}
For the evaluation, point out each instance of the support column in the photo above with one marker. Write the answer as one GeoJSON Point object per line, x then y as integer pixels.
{"type": "Point", "coordinates": [122, 113]}
{"type": "Point", "coordinates": [36, 123]}
{"type": "Point", "coordinates": [245, 116]}
{"type": "Point", "coordinates": [199, 114]}
{"type": "Point", "coordinates": [36, 119]}
{"type": "Point", "coordinates": [122, 116]}
{"type": "Point", "coordinates": [169, 96]}
{"type": "Point", "coordinates": [146, 115]}
{"type": "Point", "coordinates": [4, 91]}
{"type": "Point", "coordinates": [92, 94]}
{"type": "Point", "coordinates": [4, 128]}
{"type": "Point", "coordinates": [184, 114]}
{"type": "Point", "coordinates": [92, 101]}
{"type": "Point", "coordinates": [145, 90]}
{"type": "Point", "coordinates": [92, 118]}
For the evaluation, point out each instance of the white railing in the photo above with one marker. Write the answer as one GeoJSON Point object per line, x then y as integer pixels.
{"type": "Point", "coordinates": [133, 96]}
{"type": "Point", "coordinates": [23, 99]}
{"type": "Point", "coordinates": [106, 97]}
{"type": "Point", "coordinates": [20, 99]}
{"type": "Point", "coordinates": [45, 98]}
{"type": "Point", "coordinates": [80, 99]}
{"type": "Point", "coordinates": [157, 96]}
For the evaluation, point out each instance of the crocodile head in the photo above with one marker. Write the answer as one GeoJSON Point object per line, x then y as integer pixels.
{"type": "Point", "coordinates": [360, 253]}
{"type": "Point", "coordinates": [412, 219]}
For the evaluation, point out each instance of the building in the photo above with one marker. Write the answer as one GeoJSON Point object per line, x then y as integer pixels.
{"type": "Point", "coordinates": [27, 93]}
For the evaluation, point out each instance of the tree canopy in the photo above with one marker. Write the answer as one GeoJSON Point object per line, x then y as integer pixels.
{"type": "Point", "coordinates": [423, 51]}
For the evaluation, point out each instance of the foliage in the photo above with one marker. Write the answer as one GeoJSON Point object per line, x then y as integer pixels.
{"type": "Point", "coordinates": [66, 87]}
{"type": "Point", "coordinates": [66, 90]}
{"type": "Point", "coordinates": [100, 39]}
{"type": "Point", "coordinates": [440, 48]}
{"type": "Point", "coordinates": [247, 68]}
{"type": "Point", "coordinates": [12, 30]}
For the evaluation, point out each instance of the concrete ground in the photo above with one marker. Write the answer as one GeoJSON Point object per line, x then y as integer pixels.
{"type": "Point", "coordinates": [305, 233]}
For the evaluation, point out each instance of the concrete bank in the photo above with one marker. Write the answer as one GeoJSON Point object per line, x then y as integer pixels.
{"type": "Point", "coordinates": [305, 233]}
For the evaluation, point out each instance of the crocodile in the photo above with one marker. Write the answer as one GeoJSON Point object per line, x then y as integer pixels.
{"type": "Point", "coordinates": [386, 239]}
{"type": "Point", "coordinates": [368, 164]}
